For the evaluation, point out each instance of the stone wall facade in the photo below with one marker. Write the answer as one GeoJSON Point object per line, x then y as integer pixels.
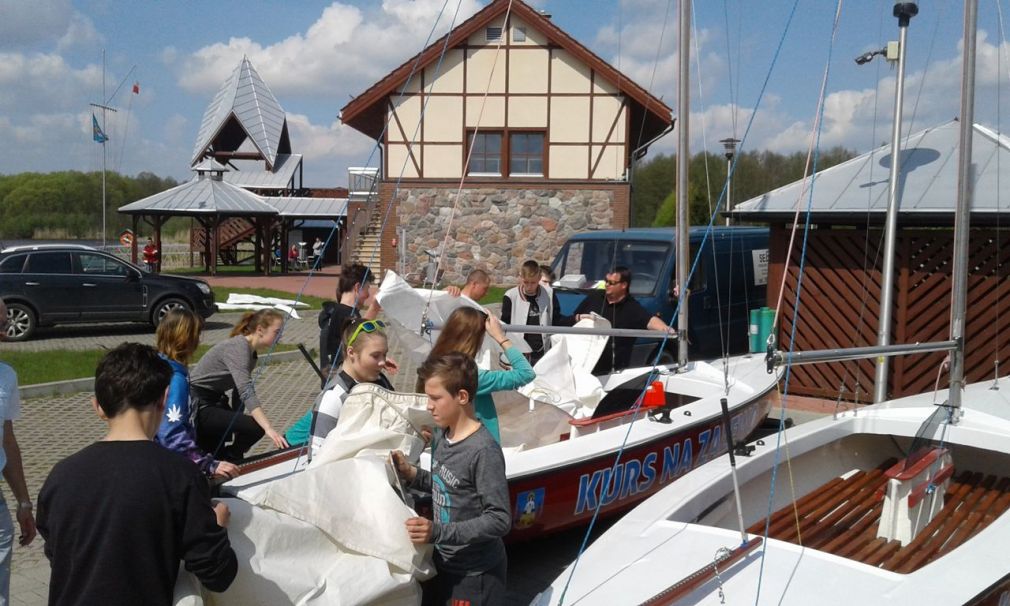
{"type": "Point", "coordinates": [496, 227]}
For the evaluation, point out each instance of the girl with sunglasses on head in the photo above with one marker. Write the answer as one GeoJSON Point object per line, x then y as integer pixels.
{"type": "Point", "coordinates": [365, 348]}
{"type": "Point", "coordinates": [177, 338]}
{"type": "Point", "coordinates": [464, 332]}
{"type": "Point", "coordinates": [228, 367]}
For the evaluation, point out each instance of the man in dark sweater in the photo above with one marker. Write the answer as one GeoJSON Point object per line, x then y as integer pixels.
{"type": "Point", "coordinates": [469, 491]}
{"type": "Point", "coordinates": [119, 515]}
{"type": "Point", "coordinates": [616, 304]}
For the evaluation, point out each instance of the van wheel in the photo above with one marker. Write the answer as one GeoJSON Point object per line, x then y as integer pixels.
{"type": "Point", "coordinates": [166, 306]}
{"type": "Point", "coordinates": [22, 322]}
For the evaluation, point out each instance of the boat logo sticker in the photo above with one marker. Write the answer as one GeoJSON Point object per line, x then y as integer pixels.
{"type": "Point", "coordinates": [529, 506]}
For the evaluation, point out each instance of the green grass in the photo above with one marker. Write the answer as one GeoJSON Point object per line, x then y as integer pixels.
{"type": "Point", "coordinates": [34, 367]}
{"type": "Point", "coordinates": [222, 270]}
{"type": "Point", "coordinates": [221, 295]}
{"type": "Point", "coordinates": [494, 295]}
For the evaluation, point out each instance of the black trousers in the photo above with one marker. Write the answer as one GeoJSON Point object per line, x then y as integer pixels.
{"type": "Point", "coordinates": [211, 424]}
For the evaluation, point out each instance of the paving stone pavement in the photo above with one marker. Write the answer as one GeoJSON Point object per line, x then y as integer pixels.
{"type": "Point", "coordinates": [54, 427]}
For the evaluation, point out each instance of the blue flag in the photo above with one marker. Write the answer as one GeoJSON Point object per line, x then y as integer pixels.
{"type": "Point", "coordinates": [96, 131]}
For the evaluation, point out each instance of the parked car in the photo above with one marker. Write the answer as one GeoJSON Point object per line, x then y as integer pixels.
{"type": "Point", "coordinates": [723, 287]}
{"type": "Point", "coordinates": [46, 285]}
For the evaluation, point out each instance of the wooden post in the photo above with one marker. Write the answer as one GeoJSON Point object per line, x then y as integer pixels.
{"type": "Point", "coordinates": [215, 233]}
{"type": "Point", "coordinates": [284, 245]}
{"type": "Point", "coordinates": [158, 222]}
{"type": "Point", "coordinates": [133, 244]}
{"type": "Point", "coordinates": [257, 243]}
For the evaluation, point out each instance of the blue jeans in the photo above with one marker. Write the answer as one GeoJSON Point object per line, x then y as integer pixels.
{"type": "Point", "coordinates": [6, 547]}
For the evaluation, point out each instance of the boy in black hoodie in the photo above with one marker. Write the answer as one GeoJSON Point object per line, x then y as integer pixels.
{"type": "Point", "coordinates": [119, 515]}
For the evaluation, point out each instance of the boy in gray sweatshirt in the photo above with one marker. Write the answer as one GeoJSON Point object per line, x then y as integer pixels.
{"type": "Point", "coordinates": [469, 492]}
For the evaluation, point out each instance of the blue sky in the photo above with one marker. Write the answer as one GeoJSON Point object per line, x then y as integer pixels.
{"type": "Point", "coordinates": [316, 55]}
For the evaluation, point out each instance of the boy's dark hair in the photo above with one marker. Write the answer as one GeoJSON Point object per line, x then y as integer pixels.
{"type": "Point", "coordinates": [352, 274]}
{"type": "Point", "coordinates": [455, 370]}
{"type": "Point", "coordinates": [131, 376]}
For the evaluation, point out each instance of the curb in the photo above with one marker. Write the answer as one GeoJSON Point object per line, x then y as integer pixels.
{"type": "Point", "coordinates": [87, 384]}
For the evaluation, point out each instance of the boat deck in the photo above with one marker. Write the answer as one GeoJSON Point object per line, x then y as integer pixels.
{"type": "Point", "coordinates": [841, 517]}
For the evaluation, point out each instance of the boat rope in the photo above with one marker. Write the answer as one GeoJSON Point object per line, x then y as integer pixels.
{"type": "Point", "coordinates": [681, 299]}
{"type": "Point", "coordinates": [723, 331]}
{"type": "Point", "coordinates": [818, 126]}
{"type": "Point", "coordinates": [466, 163]}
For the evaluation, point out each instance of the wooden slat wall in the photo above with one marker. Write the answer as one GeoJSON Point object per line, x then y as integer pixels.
{"type": "Point", "coordinates": [840, 305]}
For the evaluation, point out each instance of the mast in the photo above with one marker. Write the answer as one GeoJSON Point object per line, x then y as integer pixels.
{"type": "Point", "coordinates": [904, 11]}
{"type": "Point", "coordinates": [104, 106]}
{"type": "Point", "coordinates": [962, 216]}
{"type": "Point", "coordinates": [683, 158]}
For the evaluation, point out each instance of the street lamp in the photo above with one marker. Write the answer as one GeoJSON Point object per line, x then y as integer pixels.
{"type": "Point", "coordinates": [729, 149]}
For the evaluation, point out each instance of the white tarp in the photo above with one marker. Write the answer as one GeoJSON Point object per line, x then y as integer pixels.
{"type": "Point", "coordinates": [237, 302]}
{"type": "Point", "coordinates": [334, 533]}
{"type": "Point", "coordinates": [408, 307]}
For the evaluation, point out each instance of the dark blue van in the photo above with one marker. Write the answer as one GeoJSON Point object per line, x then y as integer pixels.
{"type": "Point", "coordinates": [724, 286]}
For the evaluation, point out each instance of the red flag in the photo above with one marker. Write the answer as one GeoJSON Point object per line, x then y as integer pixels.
{"type": "Point", "coordinates": [136, 88]}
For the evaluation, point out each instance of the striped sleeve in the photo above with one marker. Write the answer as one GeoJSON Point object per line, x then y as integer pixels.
{"type": "Point", "coordinates": [326, 415]}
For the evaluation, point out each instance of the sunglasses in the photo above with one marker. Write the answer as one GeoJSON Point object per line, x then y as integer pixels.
{"type": "Point", "coordinates": [612, 282]}
{"type": "Point", "coordinates": [368, 326]}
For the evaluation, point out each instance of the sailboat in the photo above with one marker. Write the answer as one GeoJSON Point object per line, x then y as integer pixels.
{"type": "Point", "coordinates": [879, 505]}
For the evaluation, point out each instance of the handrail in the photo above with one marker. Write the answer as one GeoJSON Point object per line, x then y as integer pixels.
{"type": "Point", "coordinates": [696, 579]}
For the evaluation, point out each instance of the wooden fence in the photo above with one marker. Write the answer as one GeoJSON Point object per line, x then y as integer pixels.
{"type": "Point", "coordinates": [840, 306]}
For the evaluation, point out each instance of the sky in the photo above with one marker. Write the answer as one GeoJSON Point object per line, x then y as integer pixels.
{"type": "Point", "coordinates": [315, 56]}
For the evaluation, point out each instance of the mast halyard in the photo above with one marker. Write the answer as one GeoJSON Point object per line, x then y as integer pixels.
{"type": "Point", "coordinates": [104, 106]}
{"type": "Point", "coordinates": [683, 159]}
{"type": "Point", "coordinates": [962, 215]}
{"type": "Point", "coordinates": [904, 11]}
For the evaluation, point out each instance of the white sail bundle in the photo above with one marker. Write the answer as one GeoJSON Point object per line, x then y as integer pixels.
{"type": "Point", "coordinates": [333, 533]}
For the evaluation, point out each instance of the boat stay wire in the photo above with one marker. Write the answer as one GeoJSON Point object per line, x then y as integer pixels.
{"type": "Point", "coordinates": [818, 128]}
{"type": "Point", "coordinates": [681, 299]}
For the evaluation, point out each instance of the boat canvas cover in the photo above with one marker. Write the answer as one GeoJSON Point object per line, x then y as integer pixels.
{"type": "Point", "coordinates": [334, 533]}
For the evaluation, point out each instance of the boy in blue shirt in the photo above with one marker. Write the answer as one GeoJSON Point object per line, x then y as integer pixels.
{"type": "Point", "coordinates": [469, 492]}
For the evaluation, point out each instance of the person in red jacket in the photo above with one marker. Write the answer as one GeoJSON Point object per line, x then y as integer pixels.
{"type": "Point", "coordinates": [150, 256]}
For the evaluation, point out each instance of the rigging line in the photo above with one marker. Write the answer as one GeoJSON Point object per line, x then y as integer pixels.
{"type": "Point", "coordinates": [374, 185]}
{"type": "Point", "coordinates": [655, 65]}
{"type": "Point", "coordinates": [121, 83]}
{"type": "Point", "coordinates": [929, 54]}
{"type": "Point", "coordinates": [853, 367]}
{"type": "Point", "coordinates": [999, 206]}
{"type": "Point", "coordinates": [729, 67]}
{"type": "Point", "coordinates": [723, 330]}
{"type": "Point", "coordinates": [469, 154]}
{"type": "Point", "coordinates": [367, 276]}
{"type": "Point", "coordinates": [681, 299]}
{"type": "Point", "coordinates": [126, 128]}
{"type": "Point", "coordinates": [796, 301]}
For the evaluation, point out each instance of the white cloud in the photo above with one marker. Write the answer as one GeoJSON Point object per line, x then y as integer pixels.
{"type": "Point", "coordinates": [341, 53]}
{"type": "Point", "coordinates": [44, 81]}
{"type": "Point", "coordinates": [80, 32]}
{"type": "Point", "coordinates": [32, 23]}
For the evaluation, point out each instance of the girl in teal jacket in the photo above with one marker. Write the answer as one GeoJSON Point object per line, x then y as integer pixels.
{"type": "Point", "coordinates": [464, 332]}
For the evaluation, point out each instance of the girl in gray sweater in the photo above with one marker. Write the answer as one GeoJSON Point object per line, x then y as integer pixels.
{"type": "Point", "coordinates": [228, 367]}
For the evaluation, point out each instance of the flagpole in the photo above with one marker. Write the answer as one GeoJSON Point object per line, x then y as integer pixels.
{"type": "Point", "coordinates": [100, 137]}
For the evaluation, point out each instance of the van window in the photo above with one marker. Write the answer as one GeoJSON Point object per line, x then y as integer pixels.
{"type": "Point", "coordinates": [594, 258]}
{"type": "Point", "coordinates": [12, 264]}
{"type": "Point", "coordinates": [48, 263]}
